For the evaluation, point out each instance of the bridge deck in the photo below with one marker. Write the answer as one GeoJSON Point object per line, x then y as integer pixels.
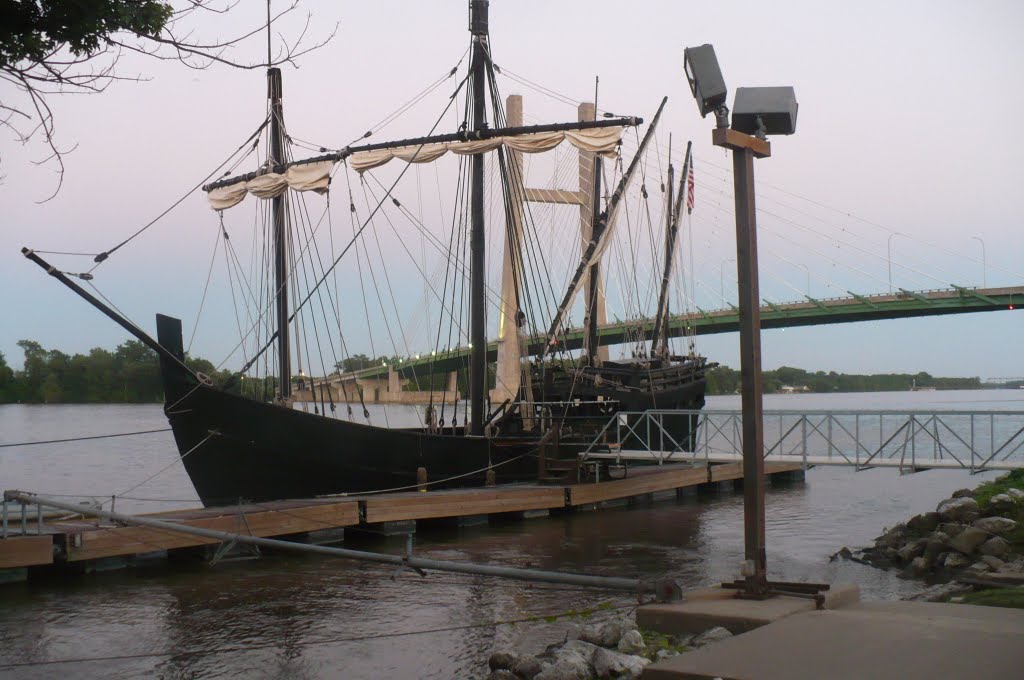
{"type": "Point", "coordinates": [809, 312]}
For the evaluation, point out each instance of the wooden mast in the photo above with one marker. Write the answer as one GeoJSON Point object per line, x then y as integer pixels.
{"type": "Point", "coordinates": [659, 337]}
{"type": "Point", "coordinates": [594, 304]}
{"type": "Point", "coordinates": [277, 210]}
{"type": "Point", "coordinates": [477, 306]}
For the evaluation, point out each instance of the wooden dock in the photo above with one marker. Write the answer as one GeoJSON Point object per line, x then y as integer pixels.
{"type": "Point", "coordinates": [81, 542]}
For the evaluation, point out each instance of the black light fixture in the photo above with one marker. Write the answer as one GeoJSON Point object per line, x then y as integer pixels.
{"type": "Point", "coordinates": [761, 111]}
{"type": "Point", "coordinates": [706, 82]}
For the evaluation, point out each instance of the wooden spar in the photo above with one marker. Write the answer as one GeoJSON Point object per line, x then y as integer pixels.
{"type": "Point", "coordinates": [114, 316]}
{"type": "Point", "coordinates": [281, 238]}
{"type": "Point", "coordinates": [607, 218]}
{"type": "Point", "coordinates": [659, 336]}
{"type": "Point", "coordinates": [461, 136]}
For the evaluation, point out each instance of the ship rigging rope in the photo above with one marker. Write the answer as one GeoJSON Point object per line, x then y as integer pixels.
{"type": "Point", "coordinates": [206, 287]}
{"type": "Point", "coordinates": [345, 250]}
{"type": "Point", "coordinates": [84, 438]}
{"type": "Point", "coordinates": [864, 220]}
{"type": "Point", "coordinates": [102, 257]}
{"type": "Point", "coordinates": [537, 618]}
{"type": "Point", "coordinates": [177, 460]}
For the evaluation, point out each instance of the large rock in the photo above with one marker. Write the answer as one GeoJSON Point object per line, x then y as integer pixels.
{"type": "Point", "coordinates": [631, 642]}
{"type": "Point", "coordinates": [912, 550]}
{"type": "Point", "coordinates": [963, 493]}
{"type": "Point", "coordinates": [606, 634]}
{"type": "Point", "coordinates": [1016, 494]}
{"type": "Point", "coordinates": [502, 674]}
{"type": "Point", "coordinates": [527, 667]}
{"type": "Point", "coordinates": [954, 509]}
{"type": "Point", "coordinates": [893, 538]}
{"type": "Point", "coordinates": [969, 540]}
{"type": "Point", "coordinates": [711, 635]}
{"type": "Point", "coordinates": [955, 561]}
{"type": "Point", "coordinates": [951, 529]}
{"type": "Point", "coordinates": [939, 593]}
{"type": "Point", "coordinates": [978, 568]}
{"type": "Point", "coordinates": [502, 659]}
{"type": "Point", "coordinates": [609, 664]}
{"type": "Point", "coordinates": [572, 662]}
{"type": "Point", "coordinates": [994, 546]}
{"type": "Point", "coordinates": [995, 525]}
{"type": "Point", "coordinates": [919, 566]}
{"type": "Point", "coordinates": [923, 524]}
{"type": "Point", "coordinates": [937, 544]}
{"type": "Point", "coordinates": [1003, 502]}
{"type": "Point", "coordinates": [994, 562]}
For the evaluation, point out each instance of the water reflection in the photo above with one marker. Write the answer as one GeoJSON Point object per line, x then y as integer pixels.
{"type": "Point", "coordinates": [297, 617]}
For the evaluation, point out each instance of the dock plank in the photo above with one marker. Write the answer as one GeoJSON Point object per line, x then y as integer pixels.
{"type": "Point", "coordinates": [26, 551]}
{"type": "Point", "coordinates": [491, 500]}
{"type": "Point", "coordinates": [115, 541]}
{"type": "Point", "coordinates": [582, 494]}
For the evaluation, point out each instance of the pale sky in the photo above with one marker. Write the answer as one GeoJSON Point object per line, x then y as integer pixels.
{"type": "Point", "coordinates": [906, 126]}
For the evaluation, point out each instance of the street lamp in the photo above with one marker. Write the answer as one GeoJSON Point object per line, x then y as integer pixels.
{"type": "Point", "coordinates": [984, 284]}
{"type": "Point", "coordinates": [758, 112]}
{"type": "Point", "coordinates": [888, 250]}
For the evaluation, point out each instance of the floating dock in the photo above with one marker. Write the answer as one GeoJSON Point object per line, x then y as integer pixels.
{"type": "Point", "coordinates": [33, 543]}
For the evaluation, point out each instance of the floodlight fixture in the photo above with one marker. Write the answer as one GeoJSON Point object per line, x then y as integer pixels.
{"type": "Point", "coordinates": [706, 82]}
{"type": "Point", "coordinates": [761, 111]}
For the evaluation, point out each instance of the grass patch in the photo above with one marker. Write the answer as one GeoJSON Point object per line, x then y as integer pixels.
{"type": "Point", "coordinates": [1011, 480]}
{"type": "Point", "coordinates": [657, 641]}
{"type": "Point", "coordinates": [997, 597]}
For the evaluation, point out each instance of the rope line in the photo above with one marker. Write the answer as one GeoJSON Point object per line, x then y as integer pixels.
{"type": "Point", "coordinates": [79, 439]}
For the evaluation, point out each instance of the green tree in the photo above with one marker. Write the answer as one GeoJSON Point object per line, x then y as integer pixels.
{"type": "Point", "coordinates": [7, 383]}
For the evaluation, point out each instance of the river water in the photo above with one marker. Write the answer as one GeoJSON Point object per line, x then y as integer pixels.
{"type": "Point", "coordinates": [305, 617]}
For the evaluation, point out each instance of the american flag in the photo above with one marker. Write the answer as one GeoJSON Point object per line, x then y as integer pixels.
{"type": "Point", "coordinates": [689, 189]}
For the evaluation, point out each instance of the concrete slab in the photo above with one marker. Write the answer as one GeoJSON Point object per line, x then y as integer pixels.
{"type": "Point", "coordinates": [905, 640]}
{"type": "Point", "coordinates": [709, 607]}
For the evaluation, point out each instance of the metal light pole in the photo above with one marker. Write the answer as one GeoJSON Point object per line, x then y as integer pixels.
{"type": "Point", "coordinates": [888, 250]}
{"type": "Point", "coordinates": [757, 112]}
{"type": "Point", "coordinates": [984, 284]}
{"type": "Point", "coordinates": [744, 149]}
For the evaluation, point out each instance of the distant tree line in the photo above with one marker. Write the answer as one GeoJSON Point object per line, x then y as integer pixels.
{"type": "Point", "coordinates": [724, 380]}
{"type": "Point", "coordinates": [131, 374]}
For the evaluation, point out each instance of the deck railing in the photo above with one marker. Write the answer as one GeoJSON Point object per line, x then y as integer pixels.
{"type": "Point", "coordinates": [908, 440]}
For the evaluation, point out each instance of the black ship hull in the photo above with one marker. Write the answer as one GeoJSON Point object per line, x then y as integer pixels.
{"type": "Point", "coordinates": [239, 449]}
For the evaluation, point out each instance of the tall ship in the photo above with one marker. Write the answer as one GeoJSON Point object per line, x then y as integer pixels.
{"type": "Point", "coordinates": [519, 409]}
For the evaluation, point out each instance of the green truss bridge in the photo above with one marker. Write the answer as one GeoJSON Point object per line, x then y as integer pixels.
{"type": "Point", "coordinates": [810, 312]}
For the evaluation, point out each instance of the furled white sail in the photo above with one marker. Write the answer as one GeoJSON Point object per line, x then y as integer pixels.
{"type": "Point", "coordinates": [317, 176]}
{"type": "Point", "coordinates": [604, 141]}
{"type": "Point", "coordinates": [305, 177]}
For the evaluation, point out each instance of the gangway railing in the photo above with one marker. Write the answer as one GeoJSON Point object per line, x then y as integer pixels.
{"type": "Point", "coordinates": [909, 440]}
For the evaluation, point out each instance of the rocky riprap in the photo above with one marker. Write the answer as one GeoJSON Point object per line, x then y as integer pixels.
{"type": "Point", "coordinates": [961, 538]}
{"type": "Point", "coordinates": [612, 649]}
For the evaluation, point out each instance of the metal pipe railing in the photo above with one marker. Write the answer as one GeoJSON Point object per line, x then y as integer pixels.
{"type": "Point", "coordinates": [909, 440]}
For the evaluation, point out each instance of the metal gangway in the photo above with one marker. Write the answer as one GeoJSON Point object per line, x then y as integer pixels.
{"type": "Point", "coordinates": [908, 440]}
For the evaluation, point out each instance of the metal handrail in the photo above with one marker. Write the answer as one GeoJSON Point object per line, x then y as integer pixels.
{"type": "Point", "coordinates": [906, 439]}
